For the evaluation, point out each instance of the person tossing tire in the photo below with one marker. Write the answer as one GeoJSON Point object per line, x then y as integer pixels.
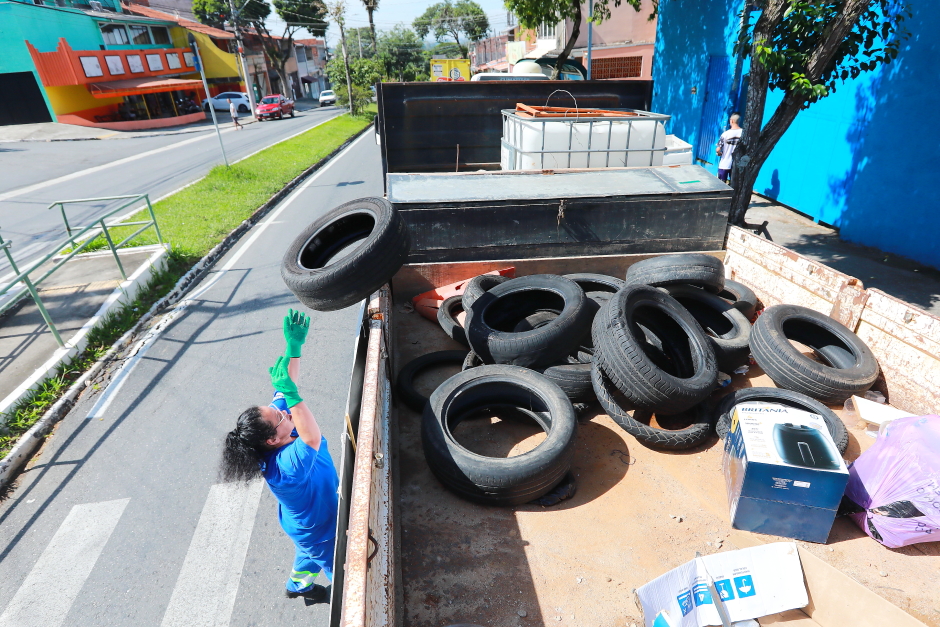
{"type": "Point", "coordinates": [282, 442]}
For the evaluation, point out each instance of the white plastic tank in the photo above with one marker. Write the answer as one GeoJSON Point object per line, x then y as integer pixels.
{"type": "Point", "coordinates": [645, 137]}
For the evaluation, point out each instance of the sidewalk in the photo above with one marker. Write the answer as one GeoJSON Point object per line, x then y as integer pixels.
{"type": "Point", "coordinates": [55, 132]}
{"type": "Point", "coordinates": [897, 276]}
{"type": "Point", "coordinates": [83, 290]}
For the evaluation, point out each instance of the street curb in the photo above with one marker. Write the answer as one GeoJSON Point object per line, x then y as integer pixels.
{"type": "Point", "coordinates": [144, 136]}
{"type": "Point", "coordinates": [29, 442]}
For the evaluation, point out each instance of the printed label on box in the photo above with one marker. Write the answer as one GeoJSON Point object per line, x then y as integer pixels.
{"type": "Point", "coordinates": [752, 582]}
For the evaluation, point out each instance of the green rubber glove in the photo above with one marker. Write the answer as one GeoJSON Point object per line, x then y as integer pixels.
{"type": "Point", "coordinates": [296, 325]}
{"type": "Point", "coordinates": [282, 382]}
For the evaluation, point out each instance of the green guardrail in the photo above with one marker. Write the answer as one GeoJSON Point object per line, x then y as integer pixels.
{"type": "Point", "coordinates": [79, 237]}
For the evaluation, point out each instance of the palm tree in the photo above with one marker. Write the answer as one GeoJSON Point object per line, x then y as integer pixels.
{"type": "Point", "coordinates": [371, 6]}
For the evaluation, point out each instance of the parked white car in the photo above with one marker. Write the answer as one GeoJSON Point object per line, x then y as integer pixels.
{"type": "Point", "coordinates": [220, 102]}
{"type": "Point", "coordinates": [327, 97]}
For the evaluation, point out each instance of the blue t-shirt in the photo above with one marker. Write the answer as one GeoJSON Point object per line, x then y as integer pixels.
{"type": "Point", "coordinates": [305, 483]}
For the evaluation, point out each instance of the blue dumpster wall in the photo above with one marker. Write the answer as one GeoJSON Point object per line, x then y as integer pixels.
{"type": "Point", "coordinates": [863, 159]}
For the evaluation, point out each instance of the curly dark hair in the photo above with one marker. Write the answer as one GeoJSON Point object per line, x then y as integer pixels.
{"type": "Point", "coordinates": [245, 446]}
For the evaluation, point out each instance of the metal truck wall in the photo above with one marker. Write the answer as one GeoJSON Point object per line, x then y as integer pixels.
{"type": "Point", "coordinates": [422, 124]}
{"type": "Point", "coordinates": [487, 216]}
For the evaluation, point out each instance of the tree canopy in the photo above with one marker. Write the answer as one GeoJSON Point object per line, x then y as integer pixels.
{"type": "Point", "coordinates": [296, 14]}
{"type": "Point", "coordinates": [804, 48]}
{"type": "Point", "coordinates": [402, 54]}
{"type": "Point", "coordinates": [535, 13]}
{"type": "Point", "coordinates": [453, 19]}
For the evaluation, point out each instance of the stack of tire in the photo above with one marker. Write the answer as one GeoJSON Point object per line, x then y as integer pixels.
{"type": "Point", "coordinates": [530, 356]}
{"type": "Point", "coordinates": [661, 342]}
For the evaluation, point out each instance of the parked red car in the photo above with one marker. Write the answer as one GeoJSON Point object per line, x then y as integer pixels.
{"type": "Point", "coordinates": [274, 106]}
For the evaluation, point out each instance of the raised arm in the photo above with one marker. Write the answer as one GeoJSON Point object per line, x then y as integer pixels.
{"type": "Point", "coordinates": [304, 422]}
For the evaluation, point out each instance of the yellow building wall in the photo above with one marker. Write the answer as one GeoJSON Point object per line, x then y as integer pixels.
{"type": "Point", "coordinates": [72, 98]}
{"type": "Point", "coordinates": [218, 63]}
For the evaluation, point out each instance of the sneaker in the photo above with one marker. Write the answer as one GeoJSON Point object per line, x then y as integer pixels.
{"type": "Point", "coordinates": [316, 594]}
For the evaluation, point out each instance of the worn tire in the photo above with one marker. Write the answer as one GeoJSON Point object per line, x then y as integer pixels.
{"type": "Point", "coordinates": [406, 388]}
{"type": "Point", "coordinates": [596, 282]}
{"type": "Point", "coordinates": [741, 296]}
{"type": "Point", "coordinates": [472, 360]}
{"type": "Point", "coordinates": [852, 367]}
{"type": "Point", "coordinates": [447, 318]}
{"type": "Point", "coordinates": [693, 435]}
{"type": "Point", "coordinates": [692, 268]}
{"type": "Point", "coordinates": [573, 378]}
{"type": "Point", "coordinates": [479, 285]}
{"type": "Point", "coordinates": [728, 331]}
{"type": "Point", "coordinates": [492, 318]}
{"type": "Point", "coordinates": [498, 481]}
{"type": "Point", "coordinates": [777, 396]}
{"type": "Point", "coordinates": [572, 375]}
{"type": "Point", "coordinates": [324, 286]}
{"type": "Point", "coordinates": [666, 380]}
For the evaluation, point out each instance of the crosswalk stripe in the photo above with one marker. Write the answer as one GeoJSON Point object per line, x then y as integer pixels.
{"type": "Point", "coordinates": [54, 582]}
{"type": "Point", "coordinates": [208, 582]}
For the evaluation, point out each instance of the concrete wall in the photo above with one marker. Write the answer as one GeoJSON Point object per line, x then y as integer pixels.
{"type": "Point", "coordinates": [862, 159]}
{"type": "Point", "coordinates": [625, 25]}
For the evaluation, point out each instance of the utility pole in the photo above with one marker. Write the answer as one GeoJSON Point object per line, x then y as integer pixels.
{"type": "Point", "coordinates": [241, 54]}
{"type": "Point", "coordinates": [205, 85]}
{"type": "Point", "coordinates": [359, 38]}
{"type": "Point", "coordinates": [590, 36]}
{"type": "Point", "coordinates": [337, 10]}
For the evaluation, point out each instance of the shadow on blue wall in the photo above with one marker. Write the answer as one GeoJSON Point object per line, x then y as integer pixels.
{"type": "Point", "coordinates": [890, 191]}
{"type": "Point", "coordinates": [689, 32]}
{"type": "Point", "coordinates": [774, 190]}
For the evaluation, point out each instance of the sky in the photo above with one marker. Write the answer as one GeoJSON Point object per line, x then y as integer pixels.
{"type": "Point", "coordinates": [392, 12]}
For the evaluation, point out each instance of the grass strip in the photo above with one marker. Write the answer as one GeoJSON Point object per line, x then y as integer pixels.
{"type": "Point", "coordinates": [193, 220]}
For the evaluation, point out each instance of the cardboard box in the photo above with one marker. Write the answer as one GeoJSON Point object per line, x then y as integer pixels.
{"type": "Point", "coordinates": [752, 582]}
{"type": "Point", "coordinates": [784, 474]}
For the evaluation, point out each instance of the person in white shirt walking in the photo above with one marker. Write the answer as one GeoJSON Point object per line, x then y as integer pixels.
{"type": "Point", "coordinates": [726, 143]}
{"type": "Point", "coordinates": [234, 112]}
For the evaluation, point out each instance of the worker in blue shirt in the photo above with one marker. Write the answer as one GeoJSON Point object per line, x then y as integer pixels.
{"type": "Point", "coordinates": [282, 443]}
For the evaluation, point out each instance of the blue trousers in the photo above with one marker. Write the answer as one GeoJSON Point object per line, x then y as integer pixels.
{"type": "Point", "coordinates": [308, 563]}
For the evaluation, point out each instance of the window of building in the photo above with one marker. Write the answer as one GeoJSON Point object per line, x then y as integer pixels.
{"type": "Point", "coordinates": [114, 34]}
{"type": "Point", "coordinates": [173, 60]}
{"type": "Point", "coordinates": [161, 35]}
{"type": "Point", "coordinates": [140, 35]}
{"type": "Point", "coordinates": [134, 62]}
{"type": "Point", "coordinates": [616, 67]}
{"type": "Point", "coordinates": [92, 66]}
{"type": "Point", "coordinates": [115, 65]}
{"type": "Point", "coordinates": [155, 62]}
{"type": "Point", "coordinates": [189, 59]}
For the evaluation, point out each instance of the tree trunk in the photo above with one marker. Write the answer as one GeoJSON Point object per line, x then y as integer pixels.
{"type": "Point", "coordinates": [560, 63]}
{"type": "Point", "coordinates": [757, 143]}
{"type": "Point", "coordinates": [370, 7]}
{"type": "Point", "coordinates": [349, 91]}
{"type": "Point", "coordinates": [743, 172]}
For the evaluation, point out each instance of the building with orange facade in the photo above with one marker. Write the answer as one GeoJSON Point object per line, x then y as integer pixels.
{"type": "Point", "coordinates": [101, 64]}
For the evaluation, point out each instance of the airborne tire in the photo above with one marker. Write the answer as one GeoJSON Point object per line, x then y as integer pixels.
{"type": "Point", "coordinates": [320, 280]}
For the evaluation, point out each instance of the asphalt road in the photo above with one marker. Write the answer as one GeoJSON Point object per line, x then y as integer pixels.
{"type": "Point", "coordinates": [36, 174]}
{"type": "Point", "coordinates": [121, 519]}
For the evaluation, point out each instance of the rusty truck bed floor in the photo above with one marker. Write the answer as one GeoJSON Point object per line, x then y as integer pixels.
{"type": "Point", "coordinates": [638, 513]}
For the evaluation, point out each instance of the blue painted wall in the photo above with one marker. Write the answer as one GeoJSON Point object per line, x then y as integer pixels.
{"type": "Point", "coordinates": [863, 159]}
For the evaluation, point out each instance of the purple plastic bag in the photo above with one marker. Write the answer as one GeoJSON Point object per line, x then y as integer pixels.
{"type": "Point", "coordinates": [897, 483]}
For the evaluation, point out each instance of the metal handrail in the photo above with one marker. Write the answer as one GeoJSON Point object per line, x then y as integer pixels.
{"type": "Point", "coordinates": [78, 242]}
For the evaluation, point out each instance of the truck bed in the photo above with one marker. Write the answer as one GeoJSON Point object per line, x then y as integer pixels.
{"type": "Point", "coordinates": [418, 556]}
{"type": "Point", "coordinates": [638, 513]}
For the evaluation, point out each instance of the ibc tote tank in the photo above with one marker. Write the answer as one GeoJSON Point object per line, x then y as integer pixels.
{"type": "Point", "coordinates": [582, 142]}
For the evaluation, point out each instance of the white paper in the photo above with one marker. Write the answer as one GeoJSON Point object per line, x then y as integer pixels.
{"type": "Point", "coordinates": [752, 582]}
